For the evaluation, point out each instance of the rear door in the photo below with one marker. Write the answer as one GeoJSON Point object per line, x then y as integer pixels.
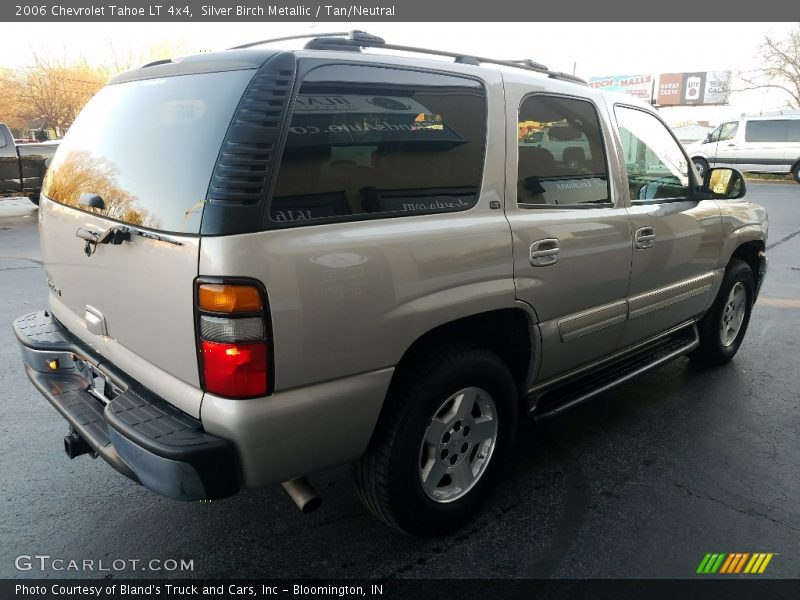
{"type": "Point", "coordinates": [138, 159]}
{"type": "Point", "coordinates": [571, 232]}
{"type": "Point", "coordinates": [764, 146]}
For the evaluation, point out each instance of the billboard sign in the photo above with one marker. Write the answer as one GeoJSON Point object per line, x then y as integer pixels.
{"type": "Point", "coordinates": [640, 86]}
{"type": "Point", "coordinates": [686, 89]}
{"type": "Point", "coordinates": [718, 87]}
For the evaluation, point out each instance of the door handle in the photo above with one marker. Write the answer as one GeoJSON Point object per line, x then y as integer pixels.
{"type": "Point", "coordinates": [645, 237]}
{"type": "Point", "coordinates": [731, 145]}
{"type": "Point", "coordinates": [544, 252]}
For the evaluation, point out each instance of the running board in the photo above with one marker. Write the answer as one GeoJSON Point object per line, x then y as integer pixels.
{"type": "Point", "coordinates": [552, 399]}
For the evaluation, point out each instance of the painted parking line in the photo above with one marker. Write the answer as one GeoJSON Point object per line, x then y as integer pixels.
{"type": "Point", "coordinates": [778, 302]}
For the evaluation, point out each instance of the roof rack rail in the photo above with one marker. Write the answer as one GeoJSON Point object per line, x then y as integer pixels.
{"type": "Point", "coordinates": [355, 40]}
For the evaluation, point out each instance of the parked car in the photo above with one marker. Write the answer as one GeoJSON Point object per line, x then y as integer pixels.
{"type": "Point", "coordinates": [264, 263]}
{"type": "Point", "coordinates": [752, 144]}
{"type": "Point", "coordinates": [22, 167]}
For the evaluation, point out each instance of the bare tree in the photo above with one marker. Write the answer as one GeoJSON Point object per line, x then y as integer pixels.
{"type": "Point", "coordinates": [13, 111]}
{"type": "Point", "coordinates": [781, 67]}
{"type": "Point", "coordinates": [55, 90]}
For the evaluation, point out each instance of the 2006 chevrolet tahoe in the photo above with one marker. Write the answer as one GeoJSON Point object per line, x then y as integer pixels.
{"type": "Point", "coordinates": [263, 263]}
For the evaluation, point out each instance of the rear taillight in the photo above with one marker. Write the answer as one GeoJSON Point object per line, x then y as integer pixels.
{"type": "Point", "coordinates": [233, 339]}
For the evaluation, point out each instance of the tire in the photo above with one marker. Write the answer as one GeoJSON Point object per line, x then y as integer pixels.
{"type": "Point", "coordinates": [435, 400]}
{"type": "Point", "coordinates": [34, 199]}
{"type": "Point", "coordinates": [723, 328]}
{"type": "Point", "coordinates": [702, 166]}
{"type": "Point", "coordinates": [796, 172]}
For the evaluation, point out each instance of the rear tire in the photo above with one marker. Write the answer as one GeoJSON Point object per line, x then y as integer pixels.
{"type": "Point", "coordinates": [723, 328]}
{"type": "Point", "coordinates": [702, 166]}
{"type": "Point", "coordinates": [439, 446]}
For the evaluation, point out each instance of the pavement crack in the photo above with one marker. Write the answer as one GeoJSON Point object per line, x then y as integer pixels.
{"type": "Point", "coordinates": [749, 513]}
{"type": "Point", "coordinates": [783, 240]}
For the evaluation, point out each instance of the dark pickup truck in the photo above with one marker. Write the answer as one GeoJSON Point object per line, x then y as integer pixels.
{"type": "Point", "coordinates": [22, 167]}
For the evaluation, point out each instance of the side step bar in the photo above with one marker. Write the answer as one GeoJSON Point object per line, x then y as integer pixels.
{"type": "Point", "coordinates": [551, 399]}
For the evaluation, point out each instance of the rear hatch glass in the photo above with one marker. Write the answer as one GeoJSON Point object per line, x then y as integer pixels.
{"type": "Point", "coordinates": [148, 148]}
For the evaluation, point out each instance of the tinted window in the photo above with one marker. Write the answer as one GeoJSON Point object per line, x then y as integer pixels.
{"type": "Point", "coordinates": [656, 165]}
{"type": "Point", "coordinates": [728, 131]}
{"type": "Point", "coordinates": [566, 165]}
{"type": "Point", "coordinates": [766, 131]}
{"type": "Point", "coordinates": [371, 141]}
{"type": "Point", "coordinates": [148, 148]}
{"type": "Point", "coordinates": [794, 130]}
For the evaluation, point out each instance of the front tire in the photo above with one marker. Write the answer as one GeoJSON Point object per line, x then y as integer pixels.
{"type": "Point", "coordinates": [796, 172]}
{"type": "Point", "coordinates": [723, 328]}
{"type": "Point", "coordinates": [441, 441]}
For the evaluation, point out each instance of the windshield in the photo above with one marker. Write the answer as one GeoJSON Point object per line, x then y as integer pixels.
{"type": "Point", "coordinates": [148, 148]}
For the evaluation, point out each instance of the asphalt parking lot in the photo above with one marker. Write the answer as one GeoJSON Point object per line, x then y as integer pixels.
{"type": "Point", "coordinates": [640, 483]}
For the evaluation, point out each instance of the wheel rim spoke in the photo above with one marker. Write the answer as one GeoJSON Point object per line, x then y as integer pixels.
{"type": "Point", "coordinates": [435, 432]}
{"type": "Point", "coordinates": [432, 475]}
{"type": "Point", "coordinates": [462, 475]}
{"type": "Point", "coordinates": [464, 403]}
{"type": "Point", "coordinates": [483, 430]}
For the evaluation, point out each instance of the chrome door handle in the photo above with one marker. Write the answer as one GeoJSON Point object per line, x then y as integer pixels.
{"type": "Point", "coordinates": [544, 252]}
{"type": "Point", "coordinates": [645, 237]}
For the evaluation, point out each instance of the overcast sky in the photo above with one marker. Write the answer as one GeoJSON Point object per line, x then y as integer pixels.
{"type": "Point", "coordinates": [592, 49]}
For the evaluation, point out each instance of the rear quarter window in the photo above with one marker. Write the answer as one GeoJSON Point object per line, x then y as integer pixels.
{"type": "Point", "coordinates": [371, 142]}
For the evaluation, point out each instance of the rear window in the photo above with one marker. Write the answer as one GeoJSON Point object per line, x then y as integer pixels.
{"type": "Point", "coordinates": [148, 148]}
{"type": "Point", "coordinates": [367, 142]}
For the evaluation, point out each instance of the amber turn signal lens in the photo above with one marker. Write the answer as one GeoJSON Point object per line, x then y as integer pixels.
{"type": "Point", "coordinates": [229, 298]}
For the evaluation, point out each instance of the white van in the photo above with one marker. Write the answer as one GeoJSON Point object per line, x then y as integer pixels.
{"type": "Point", "coordinates": [755, 144]}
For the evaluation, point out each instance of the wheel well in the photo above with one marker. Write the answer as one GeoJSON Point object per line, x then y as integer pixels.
{"type": "Point", "coordinates": [506, 332]}
{"type": "Point", "coordinates": [748, 252]}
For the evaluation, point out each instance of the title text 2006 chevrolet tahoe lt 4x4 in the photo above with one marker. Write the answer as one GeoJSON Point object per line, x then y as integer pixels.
{"type": "Point", "coordinates": [263, 263]}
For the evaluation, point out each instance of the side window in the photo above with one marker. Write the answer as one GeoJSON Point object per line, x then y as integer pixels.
{"type": "Point", "coordinates": [766, 131]}
{"type": "Point", "coordinates": [794, 130]}
{"type": "Point", "coordinates": [715, 134]}
{"type": "Point", "coordinates": [562, 158]}
{"type": "Point", "coordinates": [377, 142]}
{"type": "Point", "coordinates": [657, 167]}
{"type": "Point", "coordinates": [728, 131]}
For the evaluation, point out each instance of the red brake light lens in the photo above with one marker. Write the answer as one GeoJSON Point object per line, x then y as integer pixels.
{"type": "Point", "coordinates": [233, 338]}
{"type": "Point", "coordinates": [235, 370]}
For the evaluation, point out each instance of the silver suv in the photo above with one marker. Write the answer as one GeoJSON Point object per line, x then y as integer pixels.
{"type": "Point", "coordinates": [263, 263]}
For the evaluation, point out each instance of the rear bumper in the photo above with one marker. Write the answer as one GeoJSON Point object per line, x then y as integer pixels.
{"type": "Point", "coordinates": [139, 434]}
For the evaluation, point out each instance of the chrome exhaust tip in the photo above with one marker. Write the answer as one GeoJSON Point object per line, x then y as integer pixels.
{"type": "Point", "coordinates": [303, 494]}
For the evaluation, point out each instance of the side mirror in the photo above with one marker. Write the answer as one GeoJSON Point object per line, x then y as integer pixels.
{"type": "Point", "coordinates": [724, 183]}
{"type": "Point", "coordinates": [708, 138]}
